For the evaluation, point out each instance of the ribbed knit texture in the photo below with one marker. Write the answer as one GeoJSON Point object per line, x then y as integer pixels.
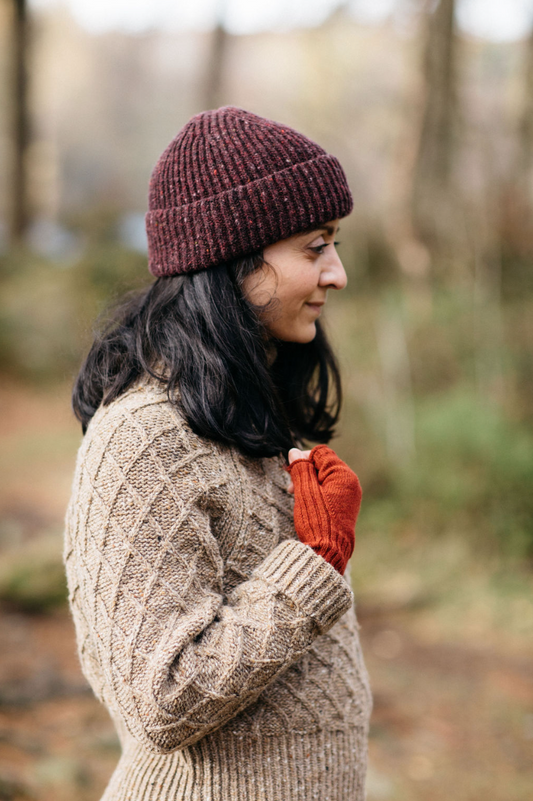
{"type": "Point", "coordinates": [225, 649]}
{"type": "Point", "coordinates": [327, 502]}
{"type": "Point", "coordinates": [230, 184]}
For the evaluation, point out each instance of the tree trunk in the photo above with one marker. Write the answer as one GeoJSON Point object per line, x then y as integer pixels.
{"type": "Point", "coordinates": [216, 63]}
{"type": "Point", "coordinates": [19, 216]}
{"type": "Point", "coordinates": [516, 192]}
{"type": "Point", "coordinates": [525, 153]}
{"type": "Point", "coordinates": [434, 209]}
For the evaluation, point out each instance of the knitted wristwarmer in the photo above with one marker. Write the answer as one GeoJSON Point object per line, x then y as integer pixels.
{"type": "Point", "coordinates": [327, 498]}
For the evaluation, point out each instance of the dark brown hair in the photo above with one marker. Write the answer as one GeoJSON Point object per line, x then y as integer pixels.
{"type": "Point", "coordinates": [200, 336]}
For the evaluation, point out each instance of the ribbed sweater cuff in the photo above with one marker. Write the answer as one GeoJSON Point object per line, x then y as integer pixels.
{"type": "Point", "coordinates": [308, 580]}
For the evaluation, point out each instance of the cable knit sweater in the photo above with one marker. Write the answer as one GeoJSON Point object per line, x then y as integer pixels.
{"type": "Point", "coordinates": [225, 649]}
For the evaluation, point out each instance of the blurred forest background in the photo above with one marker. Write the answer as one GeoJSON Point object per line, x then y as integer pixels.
{"type": "Point", "coordinates": [434, 127]}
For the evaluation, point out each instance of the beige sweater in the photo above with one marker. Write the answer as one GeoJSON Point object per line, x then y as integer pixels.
{"type": "Point", "coordinates": [225, 649]}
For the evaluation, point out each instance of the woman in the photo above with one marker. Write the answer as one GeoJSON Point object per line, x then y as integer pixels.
{"type": "Point", "coordinates": [213, 619]}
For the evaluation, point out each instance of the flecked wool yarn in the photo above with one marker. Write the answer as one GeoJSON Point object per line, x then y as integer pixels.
{"type": "Point", "coordinates": [225, 649]}
{"type": "Point", "coordinates": [230, 184]}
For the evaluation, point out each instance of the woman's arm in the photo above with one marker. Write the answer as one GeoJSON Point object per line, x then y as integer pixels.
{"type": "Point", "coordinates": [179, 658]}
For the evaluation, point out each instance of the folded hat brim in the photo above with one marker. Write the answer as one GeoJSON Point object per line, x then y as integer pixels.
{"type": "Point", "coordinates": [247, 218]}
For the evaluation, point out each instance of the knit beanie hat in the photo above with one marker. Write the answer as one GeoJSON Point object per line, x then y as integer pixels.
{"type": "Point", "coordinates": [230, 184]}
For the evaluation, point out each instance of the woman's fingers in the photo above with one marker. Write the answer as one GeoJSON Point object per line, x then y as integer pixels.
{"type": "Point", "coordinates": [295, 454]}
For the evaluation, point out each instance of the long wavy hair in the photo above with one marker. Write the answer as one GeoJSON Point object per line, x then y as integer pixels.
{"type": "Point", "coordinates": [202, 338]}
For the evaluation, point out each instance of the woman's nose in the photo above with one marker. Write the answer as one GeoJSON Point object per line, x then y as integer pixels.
{"type": "Point", "coordinates": [334, 274]}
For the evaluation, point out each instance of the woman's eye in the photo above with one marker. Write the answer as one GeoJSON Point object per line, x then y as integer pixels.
{"type": "Point", "coordinates": [319, 249]}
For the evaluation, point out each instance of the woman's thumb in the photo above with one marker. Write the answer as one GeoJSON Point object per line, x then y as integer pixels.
{"type": "Point", "coordinates": [295, 454]}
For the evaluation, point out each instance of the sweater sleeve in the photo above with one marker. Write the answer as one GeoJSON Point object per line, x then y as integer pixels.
{"type": "Point", "coordinates": [178, 658]}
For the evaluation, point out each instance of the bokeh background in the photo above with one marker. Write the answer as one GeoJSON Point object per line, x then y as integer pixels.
{"type": "Point", "coordinates": [429, 106]}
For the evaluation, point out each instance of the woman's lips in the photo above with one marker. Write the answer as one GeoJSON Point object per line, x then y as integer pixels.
{"type": "Point", "coordinates": [316, 307]}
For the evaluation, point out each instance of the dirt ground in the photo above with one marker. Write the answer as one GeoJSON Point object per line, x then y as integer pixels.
{"type": "Point", "coordinates": [453, 711]}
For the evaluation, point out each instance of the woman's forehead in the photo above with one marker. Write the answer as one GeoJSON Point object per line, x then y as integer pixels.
{"type": "Point", "coordinates": [330, 228]}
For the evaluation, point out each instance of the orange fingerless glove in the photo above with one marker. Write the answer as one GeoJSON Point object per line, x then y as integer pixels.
{"type": "Point", "coordinates": [327, 498]}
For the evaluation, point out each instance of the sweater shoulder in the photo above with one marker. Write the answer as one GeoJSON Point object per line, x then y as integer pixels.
{"type": "Point", "coordinates": [142, 434]}
{"type": "Point", "coordinates": [142, 406]}
{"type": "Point", "coordinates": [142, 414]}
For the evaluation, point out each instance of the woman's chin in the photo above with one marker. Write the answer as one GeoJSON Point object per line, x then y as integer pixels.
{"type": "Point", "coordinates": [300, 334]}
{"type": "Point", "coordinates": [303, 336]}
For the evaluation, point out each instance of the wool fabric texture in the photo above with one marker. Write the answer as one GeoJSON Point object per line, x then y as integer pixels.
{"type": "Point", "coordinates": [327, 502]}
{"type": "Point", "coordinates": [225, 649]}
{"type": "Point", "coordinates": [230, 184]}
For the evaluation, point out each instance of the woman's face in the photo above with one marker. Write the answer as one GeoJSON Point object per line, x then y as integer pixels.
{"type": "Point", "coordinates": [297, 275]}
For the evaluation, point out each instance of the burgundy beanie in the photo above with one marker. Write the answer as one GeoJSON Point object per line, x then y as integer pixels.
{"type": "Point", "coordinates": [230, 184]}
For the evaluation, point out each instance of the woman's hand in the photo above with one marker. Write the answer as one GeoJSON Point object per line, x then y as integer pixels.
{"type": "Point", "coordinates": [327, 498]}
